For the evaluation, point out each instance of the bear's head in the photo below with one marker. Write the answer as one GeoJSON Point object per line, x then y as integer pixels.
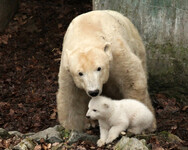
{"type": "Point", "coordinates": [99, 108]}
{"type": "Point", "coordinates": [89, 68]}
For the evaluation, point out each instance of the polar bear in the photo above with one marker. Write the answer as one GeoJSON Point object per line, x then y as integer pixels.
{"type": "Point", "coordinates": [116, 116]}
{"type": "Point", "coordinates": [103, 53]}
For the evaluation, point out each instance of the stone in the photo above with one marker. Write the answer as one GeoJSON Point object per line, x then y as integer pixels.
{"type": "Point", "coordinates": [58, 147]}
{"type": "Point", "coordinates": [28, 134]}
{"type": "Point", "coordinates": [49, 134]}
{"type": "Point", "coordinates": [15, 133]}
{"type": "Point", "coordinates": [130, 144]}
{"type": "Point", "coordinates": [54, 140]}
{"type": "Point", "coordinates": [174, 138]}
{"type": "Point", "coordinates": [169, 137]}
{"type": "Point", "coordinates": [26, 144]}
{"type": "Point", "coordinates": [78, 136]}
{"type": "Point", "coordinates": [4, 133]}
{"type": "Point", "coordinates": [123, 133]}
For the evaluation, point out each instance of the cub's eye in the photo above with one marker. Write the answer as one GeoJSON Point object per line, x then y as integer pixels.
{"type": "Point", "coordinates": [94, 110]}
{"type": "Point", "coordinates": [80, 74]}
{"type": "Point", "coordinates": [99, 69]}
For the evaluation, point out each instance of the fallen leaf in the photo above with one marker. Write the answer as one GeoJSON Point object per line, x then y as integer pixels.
{"type": "Point", "coordinates": [42, 140]}
{"type": "Point", "coordinates": [174, 127]}
{"type": "Point", "coordinates": [44, 147]}
{"type": "Point", "coordinates": [60, 25]}
{"type": "Point", "coordinates": [55, 144]}
{"type": "Point", "coordinates": [6, 143]}
{"type": "Point", "coordinates": [1, 145]}
{"type": "Point", "coordinates": [53, 116]}
{"type": "Point", "coordinates": [38, 147]}
{"type": "Point", "coordinates": [4, 39]}
{"type": "Point", "coordinates": [92, 147]}
{"type": "Point", "coordinates": [20, 105]}
{"type": "Point", "coordinates": [156, 147]}
{"type": "Point", "coordinates": [11, 112]}
{"type": "Point", "coordinates": [185, 108]}
{"type": "Point", "coordinates": [49, 145]}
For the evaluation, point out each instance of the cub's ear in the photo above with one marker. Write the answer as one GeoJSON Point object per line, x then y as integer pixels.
{"type": "Point", "coordinates": [107, 50]}
{"type": "Point", "coordinates": [106, 105]}
{"type": "Point", "coordinates": [65, 60]}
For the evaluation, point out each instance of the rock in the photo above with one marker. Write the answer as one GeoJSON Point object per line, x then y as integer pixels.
{"type": "Point", "coordinates": [28, 134]}
{"type": "Point", "coordinates": [169, 137]}
{"type": "Point", "coordinates": [19, 134]}
{"type": "Point", "coordinates": [15, 133]}
{"type": "Point", "coordinates": [130, 144]}
{"type": "Point", "coordinates": [63, 132]}
{"type": "Point", "coordinates": [123, 133]}
{"type": "Point", "coordinates": [78, 136]}
{"type": "Point", "coordinates": [4, 133]}
{"type": "Point", "coordinates": [50, 134]}
{"type": "Point", "coordinates": [26, 144]}
{"type": "Point", "coordinates": [174, 138]}
{"type": "Point", "coordinates": [54, 140]}
{"type": "Point", "coordinates": [58, 147]}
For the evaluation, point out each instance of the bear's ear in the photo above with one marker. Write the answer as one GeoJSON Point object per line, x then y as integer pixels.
{"type": "Point", "coordinates": [65, 59]}
{"type": "Point", "coordinates": [107, 50]}
{"type": "Point", "coordinates": [106, 105]}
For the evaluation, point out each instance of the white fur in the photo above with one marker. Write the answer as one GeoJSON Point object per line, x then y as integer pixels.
{"type": "Point", "coordinates": [103, 39]}
{"type": "Point", "coordinates": [117, 116]}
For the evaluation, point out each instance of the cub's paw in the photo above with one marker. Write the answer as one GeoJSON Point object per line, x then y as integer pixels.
{"type": "Point", "coordinates": [100, 142]}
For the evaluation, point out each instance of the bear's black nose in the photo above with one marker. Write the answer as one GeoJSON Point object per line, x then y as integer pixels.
{"type": "Point", "coordinates": [94, 93]}
{"type": "Point", "coordinates": [88, 117]}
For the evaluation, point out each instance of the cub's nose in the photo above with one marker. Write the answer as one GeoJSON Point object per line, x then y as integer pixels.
{"type": "Point", "coordinates": [88, 117]}
{"type": "Point", "coordinates": [93, 93]}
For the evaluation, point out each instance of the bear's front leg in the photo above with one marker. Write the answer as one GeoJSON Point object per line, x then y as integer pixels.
{"type": "Point", "coordinates": [72, 104]}
{"type": "Point", "coordinates": [114, 132]}
{"type": "Point", "coordinates": [104, 129]}
{"type": "Point", "coordinates": [71, 111]}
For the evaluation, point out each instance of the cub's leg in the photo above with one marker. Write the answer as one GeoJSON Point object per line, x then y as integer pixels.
{"type": "Point", "coordinates": [104, 129]}
{"type": "Point", "coordinates": [114, 132]}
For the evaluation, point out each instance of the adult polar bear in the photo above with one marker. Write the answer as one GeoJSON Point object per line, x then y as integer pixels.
{"type": "Point", "coordinates": [102, 53]}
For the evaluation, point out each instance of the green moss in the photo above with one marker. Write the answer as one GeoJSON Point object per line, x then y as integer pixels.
{"type": "Point", "coordinates": [168, 70]}
{"type": "Point", "coordinates": [171, 138]}
{"type": "Point", "coordinates": [63, 132]}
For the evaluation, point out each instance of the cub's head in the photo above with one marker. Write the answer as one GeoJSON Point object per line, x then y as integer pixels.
{"type": "Point", "coordinates": [89, 68]}
{"type": "Point", "coordinates": [99, 108]}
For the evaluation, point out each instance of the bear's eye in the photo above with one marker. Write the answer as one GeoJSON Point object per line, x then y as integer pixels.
{"type": "Point", "coordinates": [99, 69]}
{"type": "Point", "coordinates": [80, 74]}
{"type": "Point", "coordinates": [94, 110]}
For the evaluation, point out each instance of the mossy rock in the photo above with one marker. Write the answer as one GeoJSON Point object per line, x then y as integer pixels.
{"type": "Point", "coordinates": [25, 144]}
{"type": "Point", "coordinates": [127, 143]}
{"type": "Point", "coordinates": [171, 138]}
{"type": "Point", "coordinates": [4, 133]}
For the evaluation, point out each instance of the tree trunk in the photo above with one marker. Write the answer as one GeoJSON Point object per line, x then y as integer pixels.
{"type": "Point", "coordinates": [163, 25]}
{"type": "Point", "coordinates": [7, 10]}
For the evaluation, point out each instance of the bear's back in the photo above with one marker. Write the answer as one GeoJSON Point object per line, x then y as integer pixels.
{"type": "Point", "coordinates": [132, 107]}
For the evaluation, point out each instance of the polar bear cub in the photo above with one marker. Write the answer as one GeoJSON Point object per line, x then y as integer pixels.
{"type": "Point", "coordinates": [117, 116]}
